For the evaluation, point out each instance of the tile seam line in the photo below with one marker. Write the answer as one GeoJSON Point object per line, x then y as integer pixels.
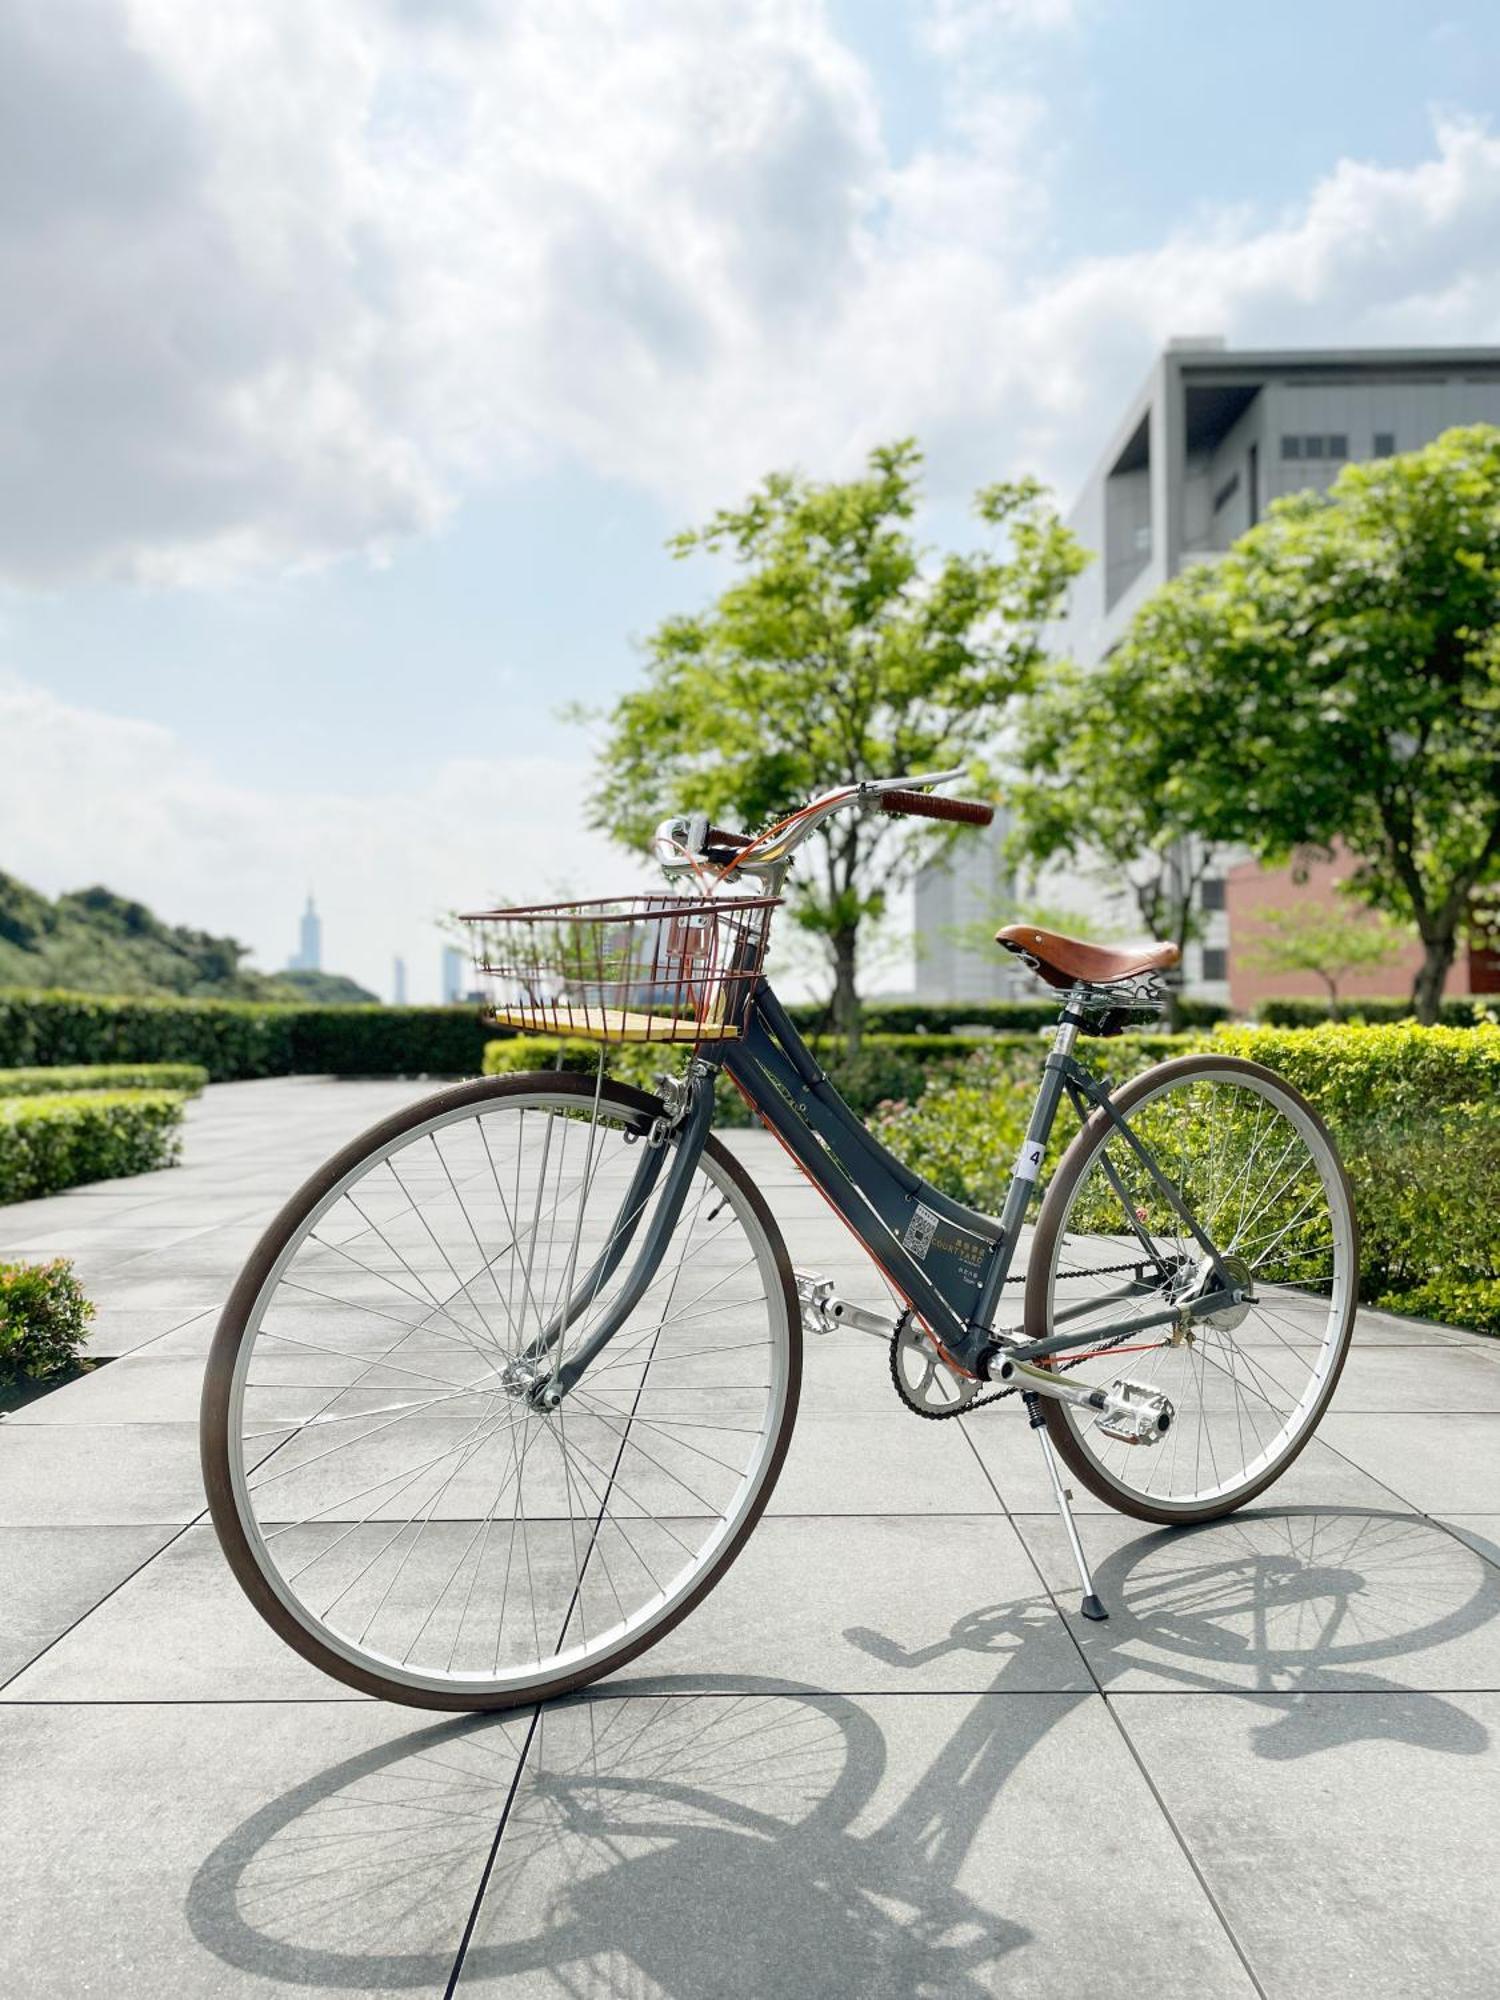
{"type": "Point", "coordinates": [656, 1694]}
{"type": "Point", "coordinates": [791, 1694]}
{"type": "Point", "coordinates": [1095, 1685]}
{"type": "Point", "coordinates": [1161, 1805]}
{"type": "Point", "coordinates": [1187, 1853]}
{"type": "Point", "coordinates": [84, 1616]}
{"type": "Point", "coordinates": [487, 1871]}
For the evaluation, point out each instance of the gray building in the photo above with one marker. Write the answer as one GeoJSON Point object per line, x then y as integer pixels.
{"type": "Point", "coordinates": [308, 957]}
{"type": "Point", "coordinates": [1213, 436]}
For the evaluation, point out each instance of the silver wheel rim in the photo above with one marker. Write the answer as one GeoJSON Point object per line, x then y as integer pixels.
{"type": "Point", "coordinates": [688, 1399]}
{"type": "Point", "coordinates": [1246, 1391]}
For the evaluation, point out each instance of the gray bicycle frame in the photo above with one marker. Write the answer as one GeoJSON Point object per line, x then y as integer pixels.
{"type": "Point", "coordinates": [948, 1262]}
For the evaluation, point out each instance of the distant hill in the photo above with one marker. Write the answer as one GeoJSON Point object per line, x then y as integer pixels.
{"type": "Point", "coordinates": [94, 941]}
{"type": "Point", "coordinates": [324, 989]}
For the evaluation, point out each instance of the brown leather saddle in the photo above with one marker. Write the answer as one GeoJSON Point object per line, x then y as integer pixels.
{"type": "Point", "coordinates": [1065, 961]}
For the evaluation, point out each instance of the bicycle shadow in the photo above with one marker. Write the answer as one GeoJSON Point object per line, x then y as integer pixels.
{"type": "Point", "coordinates": [728, 1836]}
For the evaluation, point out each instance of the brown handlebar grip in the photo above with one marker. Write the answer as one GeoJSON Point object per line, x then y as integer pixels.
{"type": "Point", "coordinates": [718, 836]}
{"type": "Point", "coordinates": [927, 805]}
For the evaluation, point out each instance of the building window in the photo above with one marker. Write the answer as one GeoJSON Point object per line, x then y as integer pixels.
{"type": "Point", "coordinates": [1143, 540]}
{"type": "Point", "coordinates": [1385, 444]}
{"type": "Point", "coordinates": [1252, 477]}
{"type": "Point", "coordinates": [1211, 893]}
{"type": "Point", "coordinates": [1226, 492]}
{"type": "Point", "coordinates": [1215, 962]}
{"type": "Point", "coordinates": [1318, 444]}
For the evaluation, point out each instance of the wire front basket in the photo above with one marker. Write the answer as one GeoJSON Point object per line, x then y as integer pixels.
{"type": "Point", "coordinates": [652, 968]}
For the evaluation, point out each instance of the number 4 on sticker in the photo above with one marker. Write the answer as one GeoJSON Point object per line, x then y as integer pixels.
{"type": "Point", "coordinates": [1029, 1159]}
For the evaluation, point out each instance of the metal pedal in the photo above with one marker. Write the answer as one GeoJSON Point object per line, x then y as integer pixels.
{"type": "Point", "coordinates": [1137, 1413]}
{"type": "Point", "coordinates": [823, 1309]}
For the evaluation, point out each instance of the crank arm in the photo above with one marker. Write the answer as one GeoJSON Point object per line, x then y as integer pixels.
{"type": "Point", "coordinates": [1042, 1382]}
{"type": "Point", "coordinates": [823, 1309]}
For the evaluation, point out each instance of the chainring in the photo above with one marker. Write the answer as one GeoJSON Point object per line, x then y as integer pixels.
{"type": "Point", "coordinates": [924, 1381]}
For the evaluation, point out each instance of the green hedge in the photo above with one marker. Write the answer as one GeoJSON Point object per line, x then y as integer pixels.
{"type": "Point", "coordinates": [902, 1017]}
{"type": "Point", "coordinates": [236, 1038]}
{"type": "Point", "coordinates": [44, 1317]}
{"type": "Point", "coordinates": [51, 1143]}
{"type": "Point", "coordinates": [187, 1077]}
{"type": "Point", "coordinates": [887, 1066]}
{"type": "Point", "coordinates": [1415, 1111]}
{"type": "Point", "coordinates": [1461, 1012]}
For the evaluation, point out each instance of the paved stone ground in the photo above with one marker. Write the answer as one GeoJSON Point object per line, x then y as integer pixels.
{"type": "Point", "coordinates": [883, 1759]}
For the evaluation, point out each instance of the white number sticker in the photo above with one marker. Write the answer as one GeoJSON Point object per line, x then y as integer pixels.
{"type": "Point", "coordinates": [1028, 1160]}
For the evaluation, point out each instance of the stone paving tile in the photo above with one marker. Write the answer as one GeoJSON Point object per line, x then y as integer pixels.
{"type": "Point", "coordinates": [52, 1577]}
{"type": "Point", "coordinates": [118, 1330]}
{"type": "Point", "coordinates": [1480, 1531]}
{"type": "Point", "coordinates": [868, 1849]}
{"type": "Point", "coordinates": [79, 1475]}
{"type": "Point", "coordinates": [180, 1630]}
{"type": "Point", "coordinates": [242, 1848]}
{"type": "Point", "coordinates": [1320, 1476]}
{"type": "Point", "coordinates": [889, 1603]}
{"type": "Point", "coordinates": [868, 1464]}
{"type": "Point", "coordinates": [1342, 1834]}
{"type": "Point", "coordinates": [132, 1390]}
{"type": "Point", "coordinates": [1406, 1378]}
{"type": "Point", "coordinates": [1448, 1463]}
{"type": "Point", "coordinates": [1306, 1600]}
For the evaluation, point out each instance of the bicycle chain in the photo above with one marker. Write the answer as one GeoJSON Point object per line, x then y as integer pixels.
{"type": "Point", "coordinates": [981, 1402]}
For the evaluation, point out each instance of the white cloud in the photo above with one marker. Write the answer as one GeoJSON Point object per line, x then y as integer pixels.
{"type": "Point", "coordinates": [958, 27]}
{"type": "Point", "coordinates": [385, 867]}
{"type": "Point", "coordinates": [292, 278]}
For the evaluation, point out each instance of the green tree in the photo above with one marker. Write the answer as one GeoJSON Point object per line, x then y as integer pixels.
{"type": "Point", "coordinates": [1074, 796]}
{"type": "Point", "coordinates": [1335, 678]}
{"type": "Point", "coordinates": [842, 650]}
{"type": "Point", "coordinates": [1325, 940]}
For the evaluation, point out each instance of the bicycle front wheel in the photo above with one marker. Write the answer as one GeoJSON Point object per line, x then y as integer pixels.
{"type": "Point", "coordinates": [1256, 1168]}
{"type": "Point", "coordinates": [389, 1498]}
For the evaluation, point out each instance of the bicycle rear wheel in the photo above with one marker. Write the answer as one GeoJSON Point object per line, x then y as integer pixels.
{"type": "Point", "coordinates": [1257, 1169]}
{"type": "Point", "coordinates": [400, 1512]}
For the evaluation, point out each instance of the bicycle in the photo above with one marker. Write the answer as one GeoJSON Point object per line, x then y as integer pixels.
{"type": "Point", "coordinates": [505, 1386]}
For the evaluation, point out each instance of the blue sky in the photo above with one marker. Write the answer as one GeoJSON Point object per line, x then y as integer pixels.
{"type": "Point", "coordinates": [369, 357]}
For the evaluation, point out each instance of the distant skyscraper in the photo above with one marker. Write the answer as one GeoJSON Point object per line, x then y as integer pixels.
{"type": "Point", "coordinates": [398, 981]}
{"type": "Point", "coordinates": [453, 973]}
{"type": "Point", "coordinates": [308, 956]}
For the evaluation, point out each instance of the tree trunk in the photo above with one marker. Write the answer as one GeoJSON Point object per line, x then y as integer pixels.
{"type": "Point", "coordinates": [846, 1008]}
{"type": "Point", "coordinates": [1427, 989]}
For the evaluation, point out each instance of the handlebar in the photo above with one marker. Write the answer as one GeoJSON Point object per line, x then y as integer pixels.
{"type": "Point", "coordinates": [926, 805]}
{"type": "Point", "coordinates": [684, 845]}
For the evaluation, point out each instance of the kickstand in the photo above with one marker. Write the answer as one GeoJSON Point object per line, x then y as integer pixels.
{"type": "Point", "coordinates": [1091, 1606]}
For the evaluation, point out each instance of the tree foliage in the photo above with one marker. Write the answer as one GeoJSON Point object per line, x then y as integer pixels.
{"type": "Point", "coordinates": [1335, 678]}
{"type": "Point", "coordinates": [1328, 941]}
{"type": "Point", "coordinates": [842, 650]}
{"type": "Point", "coordinates": [1074, 796]}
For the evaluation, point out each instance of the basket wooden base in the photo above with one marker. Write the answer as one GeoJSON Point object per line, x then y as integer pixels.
{"type": "Point", "coordinates": [611, 1024]}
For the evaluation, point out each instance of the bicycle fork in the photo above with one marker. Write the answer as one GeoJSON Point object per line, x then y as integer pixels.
{"type": "Point", "coordinates": [683, 1128]}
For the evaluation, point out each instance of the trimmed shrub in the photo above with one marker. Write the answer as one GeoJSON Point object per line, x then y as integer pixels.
{"type": "Point", "coordinates": [922, 1017]}
{"type": "Point", "coordinates": [388, 1041]}
{"type": "Point", "coordinates": [1415, 1112]}
{"type": "Point", "coordinates": [887, 1066]}
{"type": "Point", "coordinates": [187, 1077]}
{"type": "Point", "coordinates": [51, 1143]}
{"type": "Point", "coordinates": [1463, 1011]}
{"type": "Point", "coordinates": [234, 1039]}
{"type": "Point", "coordinates": [44, 1317]}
